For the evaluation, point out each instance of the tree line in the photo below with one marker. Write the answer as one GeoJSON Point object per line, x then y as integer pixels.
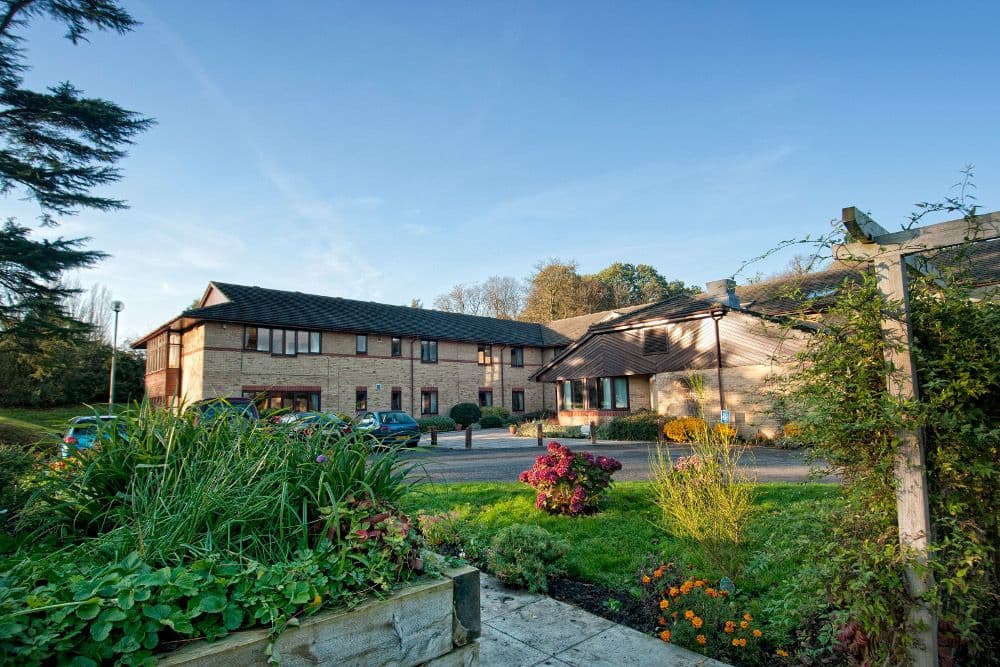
{"type": "Point", "coordinates": [557, 290]}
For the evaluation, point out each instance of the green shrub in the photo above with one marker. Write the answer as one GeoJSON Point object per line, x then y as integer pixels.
{"type": "Point", "coordinates": [491, 421]}
{"type": "Point", "coordinates": [441, 423]}
{"type": "Point", "coordinates": [641, 425]}
{"type": "Point", "coordinates": [526, 556]}
{"type": "Point", "coordinates": [549, 430]}
{"type": "Point", "coordinates": [496, 411]}
{"type": "Point", "coordinates": [15, 465]}
{"type": "Point", "coordinates": [466, 413]}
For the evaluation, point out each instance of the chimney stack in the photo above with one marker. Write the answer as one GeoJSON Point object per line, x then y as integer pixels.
{"type": "Point", "coordinates": [724, 291]}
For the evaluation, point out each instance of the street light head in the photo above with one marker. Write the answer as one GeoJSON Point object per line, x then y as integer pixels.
{"type": "Point", "coordinates": [117, 306]}
{"type": "Point", "coordinates": [717, 314]}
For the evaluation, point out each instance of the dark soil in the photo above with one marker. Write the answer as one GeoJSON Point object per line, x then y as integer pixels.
{"type": "Point", "coordinates": [608, 603]}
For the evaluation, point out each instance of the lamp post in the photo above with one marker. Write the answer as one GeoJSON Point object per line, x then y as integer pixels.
{"type": "Point", "coordinates": [118, 307]}
{"type": "Point", "coordinates": [717, 315]}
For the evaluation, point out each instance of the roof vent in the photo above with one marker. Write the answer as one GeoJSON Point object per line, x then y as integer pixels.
{"type": "Point", "coordinates": [724, 291]}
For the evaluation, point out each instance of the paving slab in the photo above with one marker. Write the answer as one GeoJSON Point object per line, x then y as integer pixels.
{"type": "Point", "coordinates": [619, 646]}
{"type": "Point", "coordinates": [550, 626]}
{"type": "Point", "coordinates": [498, 649]}
{"type": "Point", "coordinates": [495, 599]}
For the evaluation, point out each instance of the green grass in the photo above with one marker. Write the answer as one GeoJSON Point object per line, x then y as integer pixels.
{"type": "Point", "coordinates": [50, 420]}
{"type": "Point", "coordinates": [610, 547]}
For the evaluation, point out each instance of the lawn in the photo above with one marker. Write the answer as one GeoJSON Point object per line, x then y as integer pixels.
{"type": "Point", "coordinates": [44, 421]}
{"type": "Point", "coordinates": [609, 548]}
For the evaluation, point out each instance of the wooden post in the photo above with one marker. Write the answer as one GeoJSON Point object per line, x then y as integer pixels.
{"type": "Point", "coordinates": [593, 433]}
{"type": "Point", "coordinates": [468, 436]}
{"type": "Point", "coordinates": [539, 431]}
{"type": "Point", "coordinates": [434, 436]}
{"type": "Point", "coordinates": [661, 422]}
{"type": "Point", "coordinates": [912, 507]}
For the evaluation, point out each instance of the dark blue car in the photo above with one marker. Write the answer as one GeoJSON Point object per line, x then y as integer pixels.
{"type": "Point", "coordinates": [390, 427]}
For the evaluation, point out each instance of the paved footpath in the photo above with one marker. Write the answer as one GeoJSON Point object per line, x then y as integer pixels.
{"type": "Point", "coordinates": [525, 629]}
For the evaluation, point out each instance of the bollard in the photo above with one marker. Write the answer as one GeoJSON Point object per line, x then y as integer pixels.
{"type": "Point", "coordinates": [540, 436]}
{"type": "Point", "coordinates": [434, 436]}
{"type": "Point", "coordinates": [468, 437]}
{"type": "Point", "coordinates": [593, 433]}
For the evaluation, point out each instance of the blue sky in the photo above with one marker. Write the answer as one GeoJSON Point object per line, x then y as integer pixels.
{"type": "Point", "coordinates": [387, 151]}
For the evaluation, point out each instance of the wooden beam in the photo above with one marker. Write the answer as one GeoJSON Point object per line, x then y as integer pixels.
{"type": "Point", "coordinates": [909, 241]}
{"type": "Point", "coordinates": [912, 507]}
{"type": "Point", "coordinates": [860, 227]}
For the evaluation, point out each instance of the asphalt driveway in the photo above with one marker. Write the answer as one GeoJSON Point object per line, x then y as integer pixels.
{"type": "Point", "coordinates": [496, 456]}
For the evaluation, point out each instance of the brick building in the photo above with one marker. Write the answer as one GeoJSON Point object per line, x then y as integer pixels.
{"type": "Point", "coordinates": [308, 352]}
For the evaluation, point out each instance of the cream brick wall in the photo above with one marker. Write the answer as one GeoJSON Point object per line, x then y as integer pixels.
{"type": "Point", "coordinates": [216, 365]}
{"type": "Point", "coordinates": [745, 391]}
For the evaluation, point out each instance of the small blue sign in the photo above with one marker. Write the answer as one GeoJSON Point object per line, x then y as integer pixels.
{"type": "Point", "coordinates": [724, 417]}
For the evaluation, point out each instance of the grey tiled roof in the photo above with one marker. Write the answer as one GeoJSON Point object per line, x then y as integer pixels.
{"type": "Point", "coordinates": [279, 308]}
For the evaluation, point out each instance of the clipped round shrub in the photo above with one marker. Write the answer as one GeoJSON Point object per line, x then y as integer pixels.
{"type": "Point", "coordinates": [491, 421]}
{"type": "Point", "coordinates": [466, 413]}
{"type": "Point", "coordinates": [526, 556]}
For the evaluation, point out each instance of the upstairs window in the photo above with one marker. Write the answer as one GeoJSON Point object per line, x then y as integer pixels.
{"type": "Point", "coordinates": [396, 346]}
{"type": "Point", "coordinates": [485, 355]}
{"type": "Point", "coordinates": [284, 342]}
{"type": "Point", "coordinates": [361, 344]}
{"type": "Point", "coordinates": [517, 357]}
{"type": "Point", "coordinates": [428, 351]}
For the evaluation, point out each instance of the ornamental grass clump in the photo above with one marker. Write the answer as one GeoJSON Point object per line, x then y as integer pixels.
{"type": "Point", "coordinates": [704, 616]}
{"type": "Point", "coordinates": [706, 496]}
{"type": "Point", "coordinates": [569, 482]}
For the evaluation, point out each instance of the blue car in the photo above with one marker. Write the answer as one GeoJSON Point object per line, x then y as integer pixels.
{"type": "Point", "coordinates": [83, 432]}
{"type": "Point", "coordinates": [390, 427]}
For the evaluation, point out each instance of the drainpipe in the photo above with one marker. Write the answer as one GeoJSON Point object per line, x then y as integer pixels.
{"type": "Point", "coordinates": [412, 385]}
{"type": "Point", "coordinates": [716, 316]}
{"type": "Point", "coordinates": [503, 401]}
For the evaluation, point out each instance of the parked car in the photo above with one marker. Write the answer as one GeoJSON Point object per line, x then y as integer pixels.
{"type": "Point", "coordinates": [83, 431]}
{"type": "Point", "coordinates": [208, 410]}
{"type": "Point", "coordinates": [305, 424]}
{"type": "Point", "coordinates": [390, 427]}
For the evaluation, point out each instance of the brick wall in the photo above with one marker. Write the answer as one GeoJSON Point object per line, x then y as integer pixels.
{"type": "Point", "coordinates": [745, 391]}
{"type": "Point", "coordinates": [216, 365]}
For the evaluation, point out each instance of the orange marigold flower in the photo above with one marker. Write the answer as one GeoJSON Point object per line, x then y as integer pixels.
{"type": "Point", "coordinates": [661, 621]}
{"type": "Point", "coordinates": [697, 622]}
{"type": "Point", "coordinates": [736, 642]}
{"type": "Point", "coordinates": [701, 639]}
{"type": "Point", "coordinates": [781, 653]}
{"type": "Point", "coordinates": [709, 591]}
{"type": "Point", "coordinates": [730, 626]}
{"type": "Point", "coordinates": [699, 583]}
{"type": "Point", "coordinates": [689, 614]}
{"type": "Point", "coordinates": [747, 617]}
{"type": "Point", "coordinates": [665, 635]}
{"type": "Point", "coordinates": [674, 591]}
{"type": "Point", "coordinates": [757, 633]}
{"type": "Point", "coordinates": [664, 604]}
{"type": "Point", "coordinates": [657, 573]}
{"type": "Point", "coordinates": [646, 579]}
{"type": "Point", "coordinates": [723, 593]}
{"type": "Point", "coordinates": [743, 642]}
{"type": "Point", "coordinates": [744, 625]}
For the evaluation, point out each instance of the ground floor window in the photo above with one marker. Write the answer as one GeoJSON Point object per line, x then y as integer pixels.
{"type": "Point", "coordinates": [608, 393]}
{"type": "Point", "coordinates": [485, 398]}
{"type": "Point", "coordinates": [517, 400]}
{"type": "Point", "coordinates": [429, 402]}
{"type": "Point", "coordinates": [279, 399]}
{"type": "Point", "coordinates": [396, 401]}
{"type": "Point", "coordinates": [361, 399]}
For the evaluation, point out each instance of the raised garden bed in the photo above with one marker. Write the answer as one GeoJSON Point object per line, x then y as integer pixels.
{"type": "Point", "coordinates": [434, 622]}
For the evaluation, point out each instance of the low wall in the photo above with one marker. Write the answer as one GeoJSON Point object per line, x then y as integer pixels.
{"type": "Point", "coordinates": [433, 623]}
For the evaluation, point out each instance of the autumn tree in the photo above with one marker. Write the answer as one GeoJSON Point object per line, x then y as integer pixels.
{"type": "Point", "coordinates": [634, 284]}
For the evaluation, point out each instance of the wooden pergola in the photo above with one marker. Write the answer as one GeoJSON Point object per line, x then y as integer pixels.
{"type": "Point", "coordinates": [891, 255]}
